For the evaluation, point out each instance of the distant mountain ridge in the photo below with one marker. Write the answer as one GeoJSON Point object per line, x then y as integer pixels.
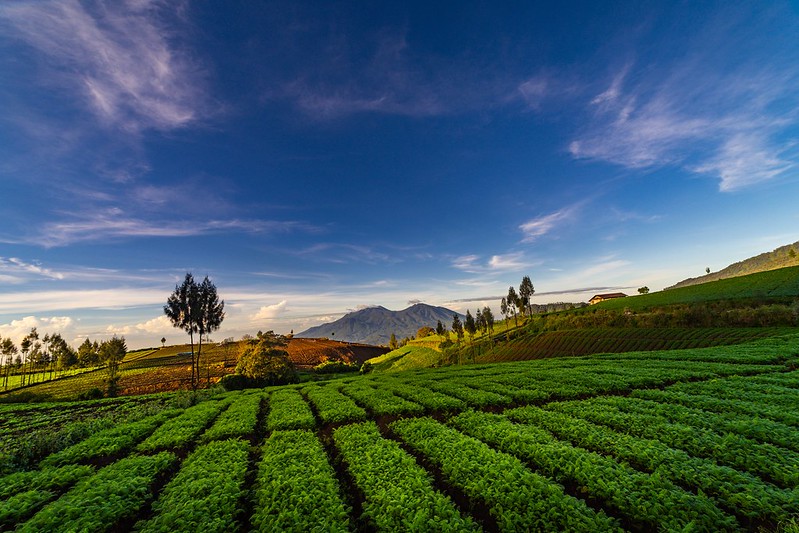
{"type": "Point", "coordinates": [784, 256]}
{"type": "Point", "coordinates": [374, 325]}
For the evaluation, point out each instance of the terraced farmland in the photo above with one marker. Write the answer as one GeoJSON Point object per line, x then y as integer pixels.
{"type": "Point", "coordinates": [612, 340]}
{"type": "Point", "coordinates": [701, 440]}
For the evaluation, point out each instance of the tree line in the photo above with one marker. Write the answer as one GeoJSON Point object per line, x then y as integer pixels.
{"type": "Point", "coordinates": [39, 358]}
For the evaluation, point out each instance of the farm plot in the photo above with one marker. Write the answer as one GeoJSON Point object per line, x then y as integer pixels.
{"type": "Point", "coordinates": [619, 443]}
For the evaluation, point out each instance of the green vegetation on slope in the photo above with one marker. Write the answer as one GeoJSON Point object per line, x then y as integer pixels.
{"type": "Point", "coordinates": [613, 340]}
{"type": "Point", "coordinates": [773, 285]}
{"type": "Point", "coordinates": [409, 357]}
{"type": "Point", "coordinates": [634, 441]}
{"type": "Point", "coordinates": [784, 256]}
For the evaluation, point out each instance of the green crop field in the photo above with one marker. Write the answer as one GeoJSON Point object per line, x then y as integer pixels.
{"type": "Point", "coordinates": [418, 354]}
{"type": "Point", "coordinates": [700, 439]}
{"type": "Point", "coordinates": [771, 285]}
{"type": "Point", "coordinates": [613, 340]}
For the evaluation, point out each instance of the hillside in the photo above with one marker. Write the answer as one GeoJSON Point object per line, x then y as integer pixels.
{"type": "Point", "coordinates": [375, 325]}
{"type": "Point", "coordinates": [306, 353]}
{"type": "Point", "coordinates": [728, 311]}
{"type": "Point", "coordinates": [169, 369]}
{"type": "Point", "coordinates": [782, 257]}
{"type": "Point", "coordinates": [773, 285]}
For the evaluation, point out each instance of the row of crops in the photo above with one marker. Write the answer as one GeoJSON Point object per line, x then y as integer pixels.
{"type": "Point", "coordinates": [708, 442]}
{"type": "Point", "coordinates": [614, 340]}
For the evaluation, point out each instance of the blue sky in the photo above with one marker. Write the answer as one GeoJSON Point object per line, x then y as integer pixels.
{"type": "Point", "coordinates": [314, 158]}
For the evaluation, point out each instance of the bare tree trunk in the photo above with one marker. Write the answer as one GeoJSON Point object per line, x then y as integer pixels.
{"type": "Point", "coordinates": [191, 339]}
{"type": "Point", "coordinates": [199, 353]}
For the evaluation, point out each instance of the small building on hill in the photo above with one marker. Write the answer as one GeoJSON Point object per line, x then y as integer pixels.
{"type": "Point", "coordinates": [602, 297]}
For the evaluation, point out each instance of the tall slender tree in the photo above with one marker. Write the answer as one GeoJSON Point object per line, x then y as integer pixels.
{"type": "Point", "coordinates": [469, 325]}
{"type": "Point", "coordinates": [526, 292]}
{"type": "Point", "coordinates": [513, 303]}
{"type": "Point", "coordinates": [503, 308]}
{"type": "Point", "coordinates": [182, 309]}
{"type": "Point", "coordinates": [29, 353]}
{"type": "Point", "coordinates": [488, 320]}
{"type": "Point", "coordinates": [112, 352]}
{"type": "Point", "coordinates": [212, 313]}
{"type": "Point", "coordinates": [9, 350]}
{"type": "Point", "coordinates": [479, 321]}
{"type": "Point", "coordinates": [195, 308]}
{"type": "Point", "coordinates": [457, 327]}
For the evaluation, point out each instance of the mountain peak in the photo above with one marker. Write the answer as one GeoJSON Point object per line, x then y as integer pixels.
{"type": "Point", "coordinates": [374, 325]}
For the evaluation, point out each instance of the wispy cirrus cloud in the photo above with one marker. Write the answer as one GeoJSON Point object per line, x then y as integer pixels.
{"type": "Point", "coordinates": [15, 270]}
{"type": "Point", "coordinates": [746, 158]}
{"type": "Point", "coordinates": [69, 299]}
{"type": "Point", "coordinates": [581, 290]}
{"type": "Point", "coordinates": [702, 110]}
{"type": "Point", "coordinates": [343, 253]}
{"type": "Point", "coordinates": [542, 225]}
{"type": "Point", "coordinates": [475, 264]}
{"type": "Point", "coordinates": [385, 73]}
{"type": "Point", "coordinates": [119, 58]}
{"type": "Point", "coordinates": [114, 224]}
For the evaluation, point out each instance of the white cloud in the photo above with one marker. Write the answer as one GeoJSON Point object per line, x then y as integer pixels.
{"type": "Point", "coordinates": [343, 253]}
{"type": "Point", "coordinates": [535, 90]}
{"type": "Point", "coordinates": [496, 264]}
{"type": "Point", "coordinates": [508, 262]}
{"type": "Point", "coordinates": [466, 262]}
{"type": "Point", "coordinates": [612, 93]}
{"type": "Point", "coordinates": [709, 113]}
{"type": "Point", "coordinates": [545, 224]}
{"type": "Point", "coordinates": [745, 159]}
{"type": "Point", "coordinates": [271, 312]}
{"type": "Point", "coordinates": [62, 300]}
{"type": "Point", "coordinates": [605, 267]}
{"type": "Point", "coordinates": [120, 58]}
{"type": "Point", "coordinates": [113, 223]}
{"type": "Point", "coordinates": [641, 136]}
{"type": "Point", "coordinates": [157, 326]}
{"type": "Point", "coordinates": [17, 270]}
{"type": "Point", "coordinates": [17, 329]}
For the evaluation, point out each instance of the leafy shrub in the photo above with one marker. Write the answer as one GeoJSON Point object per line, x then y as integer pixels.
{"type": "Point", "coordinates": [366, 367]}
{"type": "Point", "coordinates": [234, 382]}
{"type": "Point", "coordinates": [331, 367]}
{"type": "Point", "coordinates": [265, 362]}
{"type": "Point", "coordinates": [92, 394]}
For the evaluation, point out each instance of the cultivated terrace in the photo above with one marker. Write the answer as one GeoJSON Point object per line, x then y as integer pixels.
{"type": "Point", "coordinates": [704, 440]}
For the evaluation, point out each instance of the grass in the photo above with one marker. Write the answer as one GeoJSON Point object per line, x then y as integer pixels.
{"type": "Point", "coordinates": [409, 357]}
{"type": "Point", "coordinates": [778, 284]}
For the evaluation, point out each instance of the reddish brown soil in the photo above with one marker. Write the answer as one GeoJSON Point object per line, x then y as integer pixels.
{"type": "Point", "coordinates": [170, 370]}
{"type": "Point", "coordinates": [306, 353]}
